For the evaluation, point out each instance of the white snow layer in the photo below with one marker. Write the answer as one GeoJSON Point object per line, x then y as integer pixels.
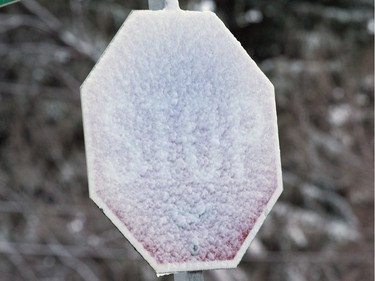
{"type": "Point", "coordinates": [181, 139]}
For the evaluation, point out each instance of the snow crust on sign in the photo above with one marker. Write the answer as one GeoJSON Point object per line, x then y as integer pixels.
{"type": "Point", "coordinates": [181, 138]}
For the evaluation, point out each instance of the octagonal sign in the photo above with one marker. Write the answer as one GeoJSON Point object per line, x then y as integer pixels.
{"type": "Point", "coordinates": [181, 139]}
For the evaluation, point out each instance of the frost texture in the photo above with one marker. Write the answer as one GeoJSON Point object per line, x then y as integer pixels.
{"type": "Point", "coordinates": [181, 137]}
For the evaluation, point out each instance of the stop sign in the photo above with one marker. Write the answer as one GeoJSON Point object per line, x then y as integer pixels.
{"type": "Point", "coordinates": [181, 139]}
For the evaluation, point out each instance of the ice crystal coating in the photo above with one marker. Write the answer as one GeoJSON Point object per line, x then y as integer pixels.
{"type": "Point", "coordinates": [181, 139]}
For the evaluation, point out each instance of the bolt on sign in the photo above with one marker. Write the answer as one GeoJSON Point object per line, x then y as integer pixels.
{"type": "Point", "coordinates": [181, 140]}
{"type": "Point", "coordinates": [7, 2]}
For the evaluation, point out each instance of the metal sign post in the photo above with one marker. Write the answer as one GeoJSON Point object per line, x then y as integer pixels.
{"type": "Point", "coordinates": [189, 276]}
{"type": "Point", "coordinates": [156, 4]}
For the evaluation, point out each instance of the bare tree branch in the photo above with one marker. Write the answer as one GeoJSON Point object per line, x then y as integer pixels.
{"type": "Point", "coordinates": [19, 262]}
{"type": "Point", "coordinates": [57, 27]}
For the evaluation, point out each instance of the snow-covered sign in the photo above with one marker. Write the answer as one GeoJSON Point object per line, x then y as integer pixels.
{"type": "Point", "coordinates": [181, 139]}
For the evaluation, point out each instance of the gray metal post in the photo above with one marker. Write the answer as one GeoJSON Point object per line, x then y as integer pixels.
{"type": "Point", "coordinates": [156, 4]}
{"type": "Point", "coordinates": [189, 276]}
{"type": "Point", "coordinates": [185, 276]}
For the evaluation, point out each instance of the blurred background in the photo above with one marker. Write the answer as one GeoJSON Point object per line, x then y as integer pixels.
{"type": "Point", "coordinates": [319, 55]}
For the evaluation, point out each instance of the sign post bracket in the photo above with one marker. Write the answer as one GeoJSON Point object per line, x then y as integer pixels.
{"type": "Point", "coordinates": [189, 276]}
{"type": "Point", "coordinates": [156, 4]}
